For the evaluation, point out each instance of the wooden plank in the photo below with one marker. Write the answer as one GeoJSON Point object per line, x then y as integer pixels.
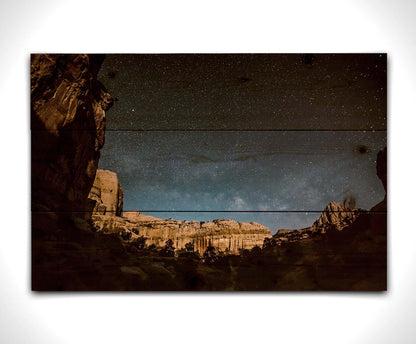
{"type": "Point", "coordinates": [277, 171]}
{"type": "Point", "coordinates": [247, 91]}
{"type": "Point", "coordinates": [216, 147]}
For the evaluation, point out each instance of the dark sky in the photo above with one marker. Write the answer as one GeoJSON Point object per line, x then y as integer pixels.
{"type": "Point", "coordinates": [297, 131]}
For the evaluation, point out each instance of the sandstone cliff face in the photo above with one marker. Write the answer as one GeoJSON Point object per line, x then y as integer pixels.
{"type": "Point", "coordinates": [68, 107]}
{"type": "Point", "coordinates": [334, 217]}
{"type": "Point", "coordinates": [107, 194]}
{"type": "Point", "coordinates": [226, 235]}
{"type": "Point", "coordinates": [136, 216]}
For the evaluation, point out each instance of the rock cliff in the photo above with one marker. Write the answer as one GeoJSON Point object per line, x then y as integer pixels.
{"type": "Point", "coordinates": [382, 174]}
{"type": "Point", "coordinates": [136, 216]}
{"type": "Point", "coordinates": [68, 107]}
{"type": "Point", "coordinates": [107, 194]}
{"type": "Point", "coordinates": [225, 235]}
{"type": "Point", "coordinates": [334, 217]}
{"type": "Point", "coordinates": [382, 167]}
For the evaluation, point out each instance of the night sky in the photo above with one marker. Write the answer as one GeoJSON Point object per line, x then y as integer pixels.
{"type": "Point", "coordinates": [245, 133]}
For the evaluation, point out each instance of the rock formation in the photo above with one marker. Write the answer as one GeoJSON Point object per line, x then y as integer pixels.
{"type": "Point", "coordinates": [68, 107]}
{"type": "Point", "coordinates": [337, 217]}
{"type": "Point", "coordinates": [225, 235]}
{"type": "Point", "coordinates": [353, 258]}
{"type": "Point", "coordinates": [334, 217]}
{"type": "Point", "coordinates": [136, 216]}
{"type": "Point", "coordinates": [382, 174]}
{"type": "Point", "coordinates": [107, 194]}
{"type": "Point", "coordinates": [382, 167]}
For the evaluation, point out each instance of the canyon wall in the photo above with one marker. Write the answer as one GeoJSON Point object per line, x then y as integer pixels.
{"type": "Point", "coordinates": [107, 194]}
{"type": "Point", "coordinates": [68, 107]}
{"type": "Point", "coordinates": [226, 235]}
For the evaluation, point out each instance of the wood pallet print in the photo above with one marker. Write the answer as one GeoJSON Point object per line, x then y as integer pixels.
{"type": "Point", "coordinates": [209, 172]}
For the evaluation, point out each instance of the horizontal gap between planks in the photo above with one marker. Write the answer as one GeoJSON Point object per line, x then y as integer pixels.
{"type": "Point", "coordinates": [222, 211]}
{"type": "Point", "coordinates": [219, 130]}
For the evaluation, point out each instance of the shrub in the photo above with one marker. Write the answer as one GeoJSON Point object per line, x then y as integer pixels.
{"type": "Point", "coordinates": [135, 231]}
{"type": "Point", "coordinates": [188, 252]}
{"type": "Point", "coordinates": [140, 242]}
{"type": "Point", "coordinates": [255, 251]}
{"type": "Point", "coordinates": [211, 255]}
{"type": "Point", "coordinates": [168, 250]}
{"type": "Point", "coordinates": [125, 235]}
{"type": "Point", "coordinates": [269, 242]}
{"type": "Point", "coordinates": [190, 247]}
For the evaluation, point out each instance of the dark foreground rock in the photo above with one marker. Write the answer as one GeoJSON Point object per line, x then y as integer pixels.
{"type": "Point", "coordinates": [68, 107]}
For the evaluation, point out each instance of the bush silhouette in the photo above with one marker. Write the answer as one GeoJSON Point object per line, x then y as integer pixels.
{"type": "Point", "coordinates": [212, 255]}
{"type": "Point", "coordinates": [140, 242]}
{"type": "Point", "coordinates": [268, 243]}
{"type": "Point", "coordinates": [125, 235]}
{"type": "Point", "coordinates": [168, 250]}
{"type": "Point", "coordinates": [190, 247]}
{"type": "Point", "coordinates": [188, 252]}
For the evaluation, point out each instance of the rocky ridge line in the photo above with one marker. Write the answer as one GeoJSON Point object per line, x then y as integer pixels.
{"type": "Point", "coordinates": [335, 217]}
{"type": "Point", "coordinates": [223, 234]}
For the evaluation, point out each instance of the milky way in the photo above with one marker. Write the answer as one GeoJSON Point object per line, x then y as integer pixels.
{"type": "Point", "coordinates": [296, 132]}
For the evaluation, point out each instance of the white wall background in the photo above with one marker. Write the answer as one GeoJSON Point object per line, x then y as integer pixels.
{"type": "Point", "coordinates": [210, 26]}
